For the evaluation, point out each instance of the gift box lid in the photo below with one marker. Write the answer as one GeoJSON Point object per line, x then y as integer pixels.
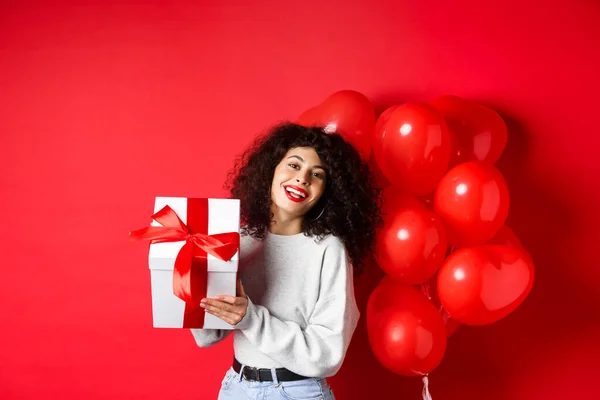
{"type": "Point", "coordinates": [223, 216]}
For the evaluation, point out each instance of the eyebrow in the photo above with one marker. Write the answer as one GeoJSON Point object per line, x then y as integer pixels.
{"type": "Point", "coordinates": [301, 159]}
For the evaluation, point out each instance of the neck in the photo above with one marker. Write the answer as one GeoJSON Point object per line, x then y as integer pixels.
{"type": "Point", "coordinates": [283, 224]}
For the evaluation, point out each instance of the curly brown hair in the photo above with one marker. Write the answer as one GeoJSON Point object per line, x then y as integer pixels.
{"type": "Point", "coordinates": [350, 204]}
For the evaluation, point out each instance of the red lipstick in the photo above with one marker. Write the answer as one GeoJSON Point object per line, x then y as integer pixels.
{"type": "Point", "coordinates": [298, 190]}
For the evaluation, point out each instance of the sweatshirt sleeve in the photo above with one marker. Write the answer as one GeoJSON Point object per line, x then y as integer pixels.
{"type": "Point", "coordinates": [209, 337]}
{"type": "Point", "coordinates": [320, 348]}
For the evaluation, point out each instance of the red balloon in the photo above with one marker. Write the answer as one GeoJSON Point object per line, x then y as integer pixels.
{"type": "Point", "coordinates": [380, 180]}
{"type": "Point", "coordinates": [506, 237]}
{"type": "Point", "coordinates": [429, 289]}
{"type": "Point", "coordinates": [307, 116]}
{"type": "Point", "coordinates": [412, 244]}
{"type": "Point", "coordinates": [405, 331]}
{"type": "Point", "coordinates": [450, 324]}
{"type": "Point", "coordinates": [413, 148]}
{"type": "Point", "coordinates": [478, 133]}
{"type": "Point", "coordinates": [384, 118]}
{"type": "Point", "coordinates": [427, 200]}
{"type": "Point", "coordinates": [473, 200]}
{"type": "Point", "coordinates": [395, 200]}
{"type": "Point", "coordinates": [481, 285]}
{"type": "Point", "coordinates": [348, 113]}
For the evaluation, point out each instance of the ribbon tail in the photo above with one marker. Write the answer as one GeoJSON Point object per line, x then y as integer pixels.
{"type": "Point", "coordinates": [425, 393]}
{"type": "Point", "coordinates": [190, 281]}
{"type": "Point", "coordinates": [222, 245]}
{"type": "Point", "coordinates": [158, 234]}
{"type": "Point", "coordinates": [172, 229]}
{"type": "Point", "coordinates": [193, 317]}
{"type": "Point", "coordinates": [167, 217]}
{"type": "Point", "coordinates": [182, 274]}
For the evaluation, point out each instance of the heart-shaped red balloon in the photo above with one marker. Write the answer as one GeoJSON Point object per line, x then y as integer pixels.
{"type": "Point", "coordinates": [506, 237]}
{"type": "Point", "coordinates": [347, 112]}
{"type": "Point", "coordinates": [481, 285]}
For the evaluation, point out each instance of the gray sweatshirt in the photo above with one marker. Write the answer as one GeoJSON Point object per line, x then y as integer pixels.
{"type": "Point", "coordinates": [301, 311]}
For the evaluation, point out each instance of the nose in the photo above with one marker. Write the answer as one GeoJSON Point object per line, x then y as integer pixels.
{"type": "Point", "coordinates": [301, 179]}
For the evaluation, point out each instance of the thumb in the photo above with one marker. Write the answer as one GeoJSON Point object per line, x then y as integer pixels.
{"type": "Point", "coordinates": [240, 289]}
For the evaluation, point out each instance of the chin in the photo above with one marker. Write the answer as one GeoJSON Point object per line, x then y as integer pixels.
{"type": "Point", "coordinates": [294, 213]}
{"type": "Point", "coordinates": [291, 211]}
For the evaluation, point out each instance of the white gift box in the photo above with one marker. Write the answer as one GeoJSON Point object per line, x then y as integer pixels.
{"type": "Point", "coordinates": [168, 309]}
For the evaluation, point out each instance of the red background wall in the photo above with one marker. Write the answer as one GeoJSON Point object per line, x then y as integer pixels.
{"type": "Point", "coordinates": [104, 106]}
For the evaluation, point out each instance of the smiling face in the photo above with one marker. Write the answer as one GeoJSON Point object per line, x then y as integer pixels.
{"type": "Point", "coordinates": [298, 183]}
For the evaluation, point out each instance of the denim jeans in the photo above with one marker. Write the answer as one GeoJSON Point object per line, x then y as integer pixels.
{"type": "Point", "coordinates": [234, 387]}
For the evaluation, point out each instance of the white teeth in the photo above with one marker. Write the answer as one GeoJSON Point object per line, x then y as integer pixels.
{"type": "Point", "coordinates": [294, 191]}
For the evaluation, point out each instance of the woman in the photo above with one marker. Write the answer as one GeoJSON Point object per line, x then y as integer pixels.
{"type": "Point", "coordinates": [309, 212]}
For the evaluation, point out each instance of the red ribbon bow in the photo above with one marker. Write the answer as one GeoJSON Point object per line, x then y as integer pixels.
{"type": "Point", "coordinates": [190, 274]}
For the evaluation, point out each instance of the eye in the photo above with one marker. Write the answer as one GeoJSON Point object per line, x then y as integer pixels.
{"type": "Point", "coordinates": [319, 175]}
{"type": "Point", "coordinates": [295, 166]}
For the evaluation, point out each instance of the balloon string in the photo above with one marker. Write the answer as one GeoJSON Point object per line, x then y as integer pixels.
{"type": "Point", "coordinates": [445, 315]}
{"type": "Point", "coordinates": [425, 289]}
{"type": "Point", "coordinates": [426, 394]}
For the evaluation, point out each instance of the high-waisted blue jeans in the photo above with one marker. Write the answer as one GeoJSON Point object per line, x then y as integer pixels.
{"type": "Point", "coordinates": [234, 387]}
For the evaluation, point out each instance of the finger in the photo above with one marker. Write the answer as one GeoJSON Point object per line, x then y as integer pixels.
{"type": "Point", "coordinates": [220, 313]}
{"type": "Point", "coordinates": [227, 299]}
{"type": "Point", "coordinates": [230, 317]}
{"type": "Point", "coordinates": [217, 304]}
{"type": "Point", "coordinates": [223, 317]}
{"type": "Point", "coordinates": [240, 288]}
{"type": "Point", "coordinates": [236, 301]}
{"type": "Point", "coordinates": [238, 307]}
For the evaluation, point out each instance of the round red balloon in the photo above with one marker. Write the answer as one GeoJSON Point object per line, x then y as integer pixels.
{"type": "Point", "coordinates": [380, 180]}
{"type": "Point", "coordinates": [478, 132]}
{"type": "Point", "coordinates": [481, 285]}
{"type": "Point", "coordinates": [412, 244]}
{"type": "Point", "coordinates": [427, 200]}
{"type": "Point", "coordinates": [429, 289]}
{"type": "Point", "coordinates": [450, 324]}
{"type": "Point", "coordinates": [405, 331]}
{"type": "Point", "coordinates": [348, 113]}
{"type": "Point", "coordinates": [473, 200]}
{"type": "Point", "coordinates": [384, 118]}
{"type": "Point", "coordinates": [413, 148]}
{"type": "Point", "coordinates": [395, 200]}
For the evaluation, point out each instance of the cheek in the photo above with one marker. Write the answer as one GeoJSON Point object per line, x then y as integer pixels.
{"type": "Point", "coordinates": [319, 191]}
{"type": "Point", "coordinates": [280, 175]}
{"type": "Point", "coordinates": [274, 191]}
{"type": "Point", "coordinates": [276, 179]}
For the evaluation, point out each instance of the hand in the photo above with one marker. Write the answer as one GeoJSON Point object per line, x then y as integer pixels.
{"type": "Point", "coordinates": [229, 308]}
